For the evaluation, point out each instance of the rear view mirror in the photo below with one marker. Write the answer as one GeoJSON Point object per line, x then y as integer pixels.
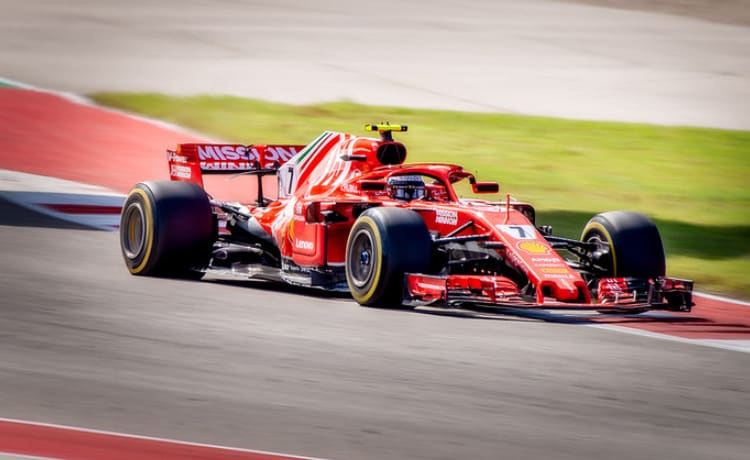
{"type": "Point", "coordinates": [485, 187]}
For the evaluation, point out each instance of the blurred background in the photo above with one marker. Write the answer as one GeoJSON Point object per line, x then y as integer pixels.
{"type": "Point", "coordinates": [676, 62]}
{"type": "Point", "coordinates": [577, 107]}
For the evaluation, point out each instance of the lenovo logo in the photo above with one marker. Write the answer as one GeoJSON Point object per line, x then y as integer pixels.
{"type": "Point", "coordinates": [302, 244]}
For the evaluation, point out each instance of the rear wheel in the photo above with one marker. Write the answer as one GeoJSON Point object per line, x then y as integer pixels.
{"type": "Point", "coordinates": [383, 245]}
{"type": "Point", "coordinates": [635, 246]}
{"type": "Point", "coordinates": [166, 229]}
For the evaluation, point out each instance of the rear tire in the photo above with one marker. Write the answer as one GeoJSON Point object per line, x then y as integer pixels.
{"type": "Point", "coordinates": [383, 245]}
{"type": "Point", "coordinates": [636, 249]}
{"type": "Point", "coordinates": [167, 229]}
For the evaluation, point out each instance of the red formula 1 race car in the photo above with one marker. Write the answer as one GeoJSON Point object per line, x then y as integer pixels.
{"type": "Point", "coordinates": [350, 215]}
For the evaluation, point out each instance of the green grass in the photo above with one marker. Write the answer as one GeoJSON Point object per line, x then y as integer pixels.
{"type": "Point", "coordinates": [693, 182]}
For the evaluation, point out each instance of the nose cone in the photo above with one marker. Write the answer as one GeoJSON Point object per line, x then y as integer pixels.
{"type": "Point", "coordinates": [563, 290]}
{"type": "Point", "coordinates": [566, 290]}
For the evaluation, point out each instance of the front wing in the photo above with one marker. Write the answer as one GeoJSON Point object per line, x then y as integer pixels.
{"type": "Point", "coordinates": [612, 294]}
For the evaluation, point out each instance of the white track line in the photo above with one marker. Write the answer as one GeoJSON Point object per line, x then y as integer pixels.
{"type": "Point", "coordinates": [33, 191]}
{"type": "Point", "coordinates": [16, 181]}
{"type": "Point", "coordinates": [22, 457]}
{"type": "Point", "coordinates": [151, 438]}
{"type": "Point", "coordinates": [734, 345]}
{"type": "Point", "coordinates": [722, 299]}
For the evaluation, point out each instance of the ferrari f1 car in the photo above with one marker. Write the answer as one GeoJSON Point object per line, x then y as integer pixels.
{"type": "Point", "coordinates": [349, 215]}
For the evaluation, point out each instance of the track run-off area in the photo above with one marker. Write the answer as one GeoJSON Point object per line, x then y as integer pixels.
{"type": "Point", "coordinates": [217, 363]}
{"type": "Point", "coordinates": [99, 154]}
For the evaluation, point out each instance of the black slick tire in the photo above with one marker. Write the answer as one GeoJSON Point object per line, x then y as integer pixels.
{"type": "Point", "coordinates": [166, 229]}
{"type": "Point", "coordinates": [383, 245]}
{"type": "Point", "coordinates": [636, 248]}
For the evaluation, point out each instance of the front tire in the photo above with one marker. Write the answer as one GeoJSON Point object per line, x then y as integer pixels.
{"type": "Point", "coordinates": [635, 246]}
{"type": "Point", "coordinates": [383, 245]}
{"type": "Point", "coordinates": [166, 229]}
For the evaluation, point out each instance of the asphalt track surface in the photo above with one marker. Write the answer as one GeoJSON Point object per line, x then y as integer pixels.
{"type": "Point", "coordinates": [260, 366]}
{"type": "Point", "coordinates": [84, 343]}
{"type": "Point", "coordinates": [519, 56]}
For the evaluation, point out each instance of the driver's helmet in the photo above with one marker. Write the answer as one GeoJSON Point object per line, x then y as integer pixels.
{"type": "Point", "coordinates": [406, 187]}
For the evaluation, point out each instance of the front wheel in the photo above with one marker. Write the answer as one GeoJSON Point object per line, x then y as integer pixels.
{"type": "Point", "coordinates": [166, 229]}
{"type": "Point", "coordinates": [634, 245]}
{"type": "Point", "coordinates": [383, 245]}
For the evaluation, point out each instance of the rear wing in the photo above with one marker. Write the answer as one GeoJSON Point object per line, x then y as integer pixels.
{"type": "Point", "coordinates": [188, 162]}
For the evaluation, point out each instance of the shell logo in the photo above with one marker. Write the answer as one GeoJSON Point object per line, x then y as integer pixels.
{"type": "Point", "coordinates": [533, 247]}
{"type": "Point", "coordinates": [555, 271]}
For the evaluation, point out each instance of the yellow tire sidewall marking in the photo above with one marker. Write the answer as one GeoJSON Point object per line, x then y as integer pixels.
{"type": "Point", "coordinates": [149, 223]}
{"type": "Point", "coordinates": [601, 229]}
{"type": "Point", "coordinates": [369, 222]}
